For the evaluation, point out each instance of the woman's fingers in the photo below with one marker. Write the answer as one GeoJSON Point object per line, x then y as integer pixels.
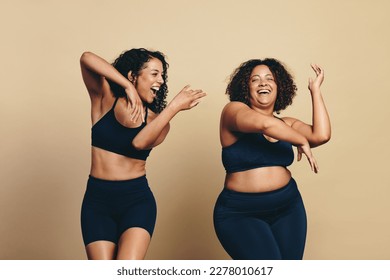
{"type": "Point", "coordinates": [305, 149]}
{"type": "Point", "coordinates": [313, 164]}
{"type": "Point", "coordinates": [187, 98]}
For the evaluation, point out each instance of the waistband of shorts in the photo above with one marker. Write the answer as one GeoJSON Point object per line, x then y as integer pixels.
{"type": "Point", "coordinates": [290, 186]}
{"type": "Point", "coordinates": [141, 178]}
{"type": "Point", "coordinates": [139, 181]}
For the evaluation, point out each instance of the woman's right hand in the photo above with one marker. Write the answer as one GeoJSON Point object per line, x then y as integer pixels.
{"type": "Point", "coordinates": [134, 103]}
{"type": "Point", "coordinates": [305, 149]}
{"type": "Point", "coordinates": [187, 98]}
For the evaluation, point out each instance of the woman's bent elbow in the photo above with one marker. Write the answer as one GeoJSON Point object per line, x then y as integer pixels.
{"type": "Point", "coordinates": [321, 140]}
{"type": "Point", "coordinates": [85, 55]}
{"type": "Point", "coordinates": [139, 145]}
{"type": "Point", "coordinates": [325, 138]}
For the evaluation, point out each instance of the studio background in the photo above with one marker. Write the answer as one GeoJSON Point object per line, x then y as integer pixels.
{"type": "Point", "coordinates": [45, 117]}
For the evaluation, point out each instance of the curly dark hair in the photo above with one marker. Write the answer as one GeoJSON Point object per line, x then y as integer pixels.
{"type": "Point", "coordinates": [134, 60]}
{"type": "Point", "coordinates": [238, 87]}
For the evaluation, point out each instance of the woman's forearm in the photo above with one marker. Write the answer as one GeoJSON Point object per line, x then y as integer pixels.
{"type": "Point", "coordinates": [154, 132]}
{"type": "Point", "coordinates": [281, 131]}
{"type": "Point", "coordinates": [246, 120]}
{"type": "Point", "coordinates": [321, 128]}
{"type": "Point", "coordinates": [101, 67]}
{"type": "Point", "coordinates": [146, 138]}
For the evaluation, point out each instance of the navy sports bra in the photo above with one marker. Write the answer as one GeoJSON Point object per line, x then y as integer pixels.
{"type": "Point", "coordinates": [110, 135]}
{"type": "Point", "coordinates": [253, 150]}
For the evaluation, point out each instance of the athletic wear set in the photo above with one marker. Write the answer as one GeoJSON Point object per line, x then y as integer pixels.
{"type": "Point", "coordinates": [111, 207]}
{"type": "Point", "coordinates": [266, 225]}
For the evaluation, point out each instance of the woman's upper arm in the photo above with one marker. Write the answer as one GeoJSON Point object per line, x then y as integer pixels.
{"type": "Point", "coordinates": [238, 117]}
{"type": "Point", "coordinates": [93, 81]}
{"type": "Point", "coordinates": [162, 135]}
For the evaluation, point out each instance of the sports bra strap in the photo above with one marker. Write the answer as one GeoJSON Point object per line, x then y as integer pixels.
{"type": "Point", "coordinates": [146, 114]}
{"type": "Point", "coordinates": [113, 106]}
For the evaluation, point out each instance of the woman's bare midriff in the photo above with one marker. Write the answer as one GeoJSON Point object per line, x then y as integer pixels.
{"type": "Point", "coordinates": [110, 166]}
{"type": "Point", "coordinates": [262, 179]}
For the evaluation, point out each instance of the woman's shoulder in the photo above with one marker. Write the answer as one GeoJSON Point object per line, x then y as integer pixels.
{"type": "Point", "coordinates": [236, 104]}
{"type": "Point", "coordinates": [233, 106]}
{"type": "Point", "coordinates": [230, 113]}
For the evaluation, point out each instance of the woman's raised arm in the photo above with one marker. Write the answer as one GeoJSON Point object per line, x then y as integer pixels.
{"type": "Point", "coordinates": [320, 131]}
{"type": "Point", "coordinates": [95, 70]}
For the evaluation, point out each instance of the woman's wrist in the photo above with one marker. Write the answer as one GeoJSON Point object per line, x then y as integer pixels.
{"type": "Point", "coordinates": [127, 85]}
{"type": "Point", "coordinates": [316, 91]}
{"type": "Point", "coordinates": [302, 141]}
{"type": "Point", "coordinates": [173, 107]}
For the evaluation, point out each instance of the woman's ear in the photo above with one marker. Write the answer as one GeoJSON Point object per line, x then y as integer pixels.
{"type": "Point", "coordinates": [131, 78]}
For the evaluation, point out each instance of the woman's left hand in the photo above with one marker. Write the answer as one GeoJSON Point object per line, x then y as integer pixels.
{"type": "Point", "coordinates": [187, 98]}
{"type": "Point", "coordinates": [315, 84]}
{"type": "Point", "coordinates": [305, 149]}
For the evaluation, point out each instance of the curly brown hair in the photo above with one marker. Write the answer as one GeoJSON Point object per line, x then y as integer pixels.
{"type": "Point", "coordinates": [134, 60]}
{"type": "Point", "coordinates": [238, 87]}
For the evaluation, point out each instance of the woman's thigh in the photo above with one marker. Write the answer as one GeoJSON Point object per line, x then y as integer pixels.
{"type": "Point", "coordinates": [247, 239]}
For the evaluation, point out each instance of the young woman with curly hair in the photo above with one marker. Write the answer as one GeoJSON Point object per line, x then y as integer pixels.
{"type": "Point", "coordinates": [129, 117]}
{"type": "Point", "coordinates": [260, 213]}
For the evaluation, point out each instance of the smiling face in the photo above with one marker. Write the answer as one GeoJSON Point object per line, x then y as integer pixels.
{"type": "Point", "coordinates": [262, 88]}
{"type": "Point", "coordinates": [149, 80]}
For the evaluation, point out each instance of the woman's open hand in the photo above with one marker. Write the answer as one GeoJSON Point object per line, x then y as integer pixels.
{"type": "Point", "coordinates": [305, 149]}
{"type": "Point", "coordinates": [187, 98]}
{"type": "Point", "coordinates": [315, 84]}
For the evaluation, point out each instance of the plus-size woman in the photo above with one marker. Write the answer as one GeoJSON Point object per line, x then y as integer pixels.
{"type": "Point", "coordinates": [260, 213]}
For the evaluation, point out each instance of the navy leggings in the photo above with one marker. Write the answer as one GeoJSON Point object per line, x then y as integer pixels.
{"type": "Point", "coordinates": [262, 226]}
{"type": "Point", "coordinates": [111, 207]}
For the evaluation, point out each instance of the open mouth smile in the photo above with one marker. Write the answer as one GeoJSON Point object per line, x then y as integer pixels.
{"type": "Point", "coordinates": [155, 90]}
{"type": "Point", "coordinates": [264, 91]}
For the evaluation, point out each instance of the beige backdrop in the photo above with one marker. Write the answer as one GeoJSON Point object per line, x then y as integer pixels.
{"type": "Point", "coordinates": [45, 117]}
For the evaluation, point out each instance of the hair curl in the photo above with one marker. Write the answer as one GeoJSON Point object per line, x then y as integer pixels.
{"type": "Point", "coordinates": [134, 60]}
{"type": "Point", "coordinates": [238, 87]}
